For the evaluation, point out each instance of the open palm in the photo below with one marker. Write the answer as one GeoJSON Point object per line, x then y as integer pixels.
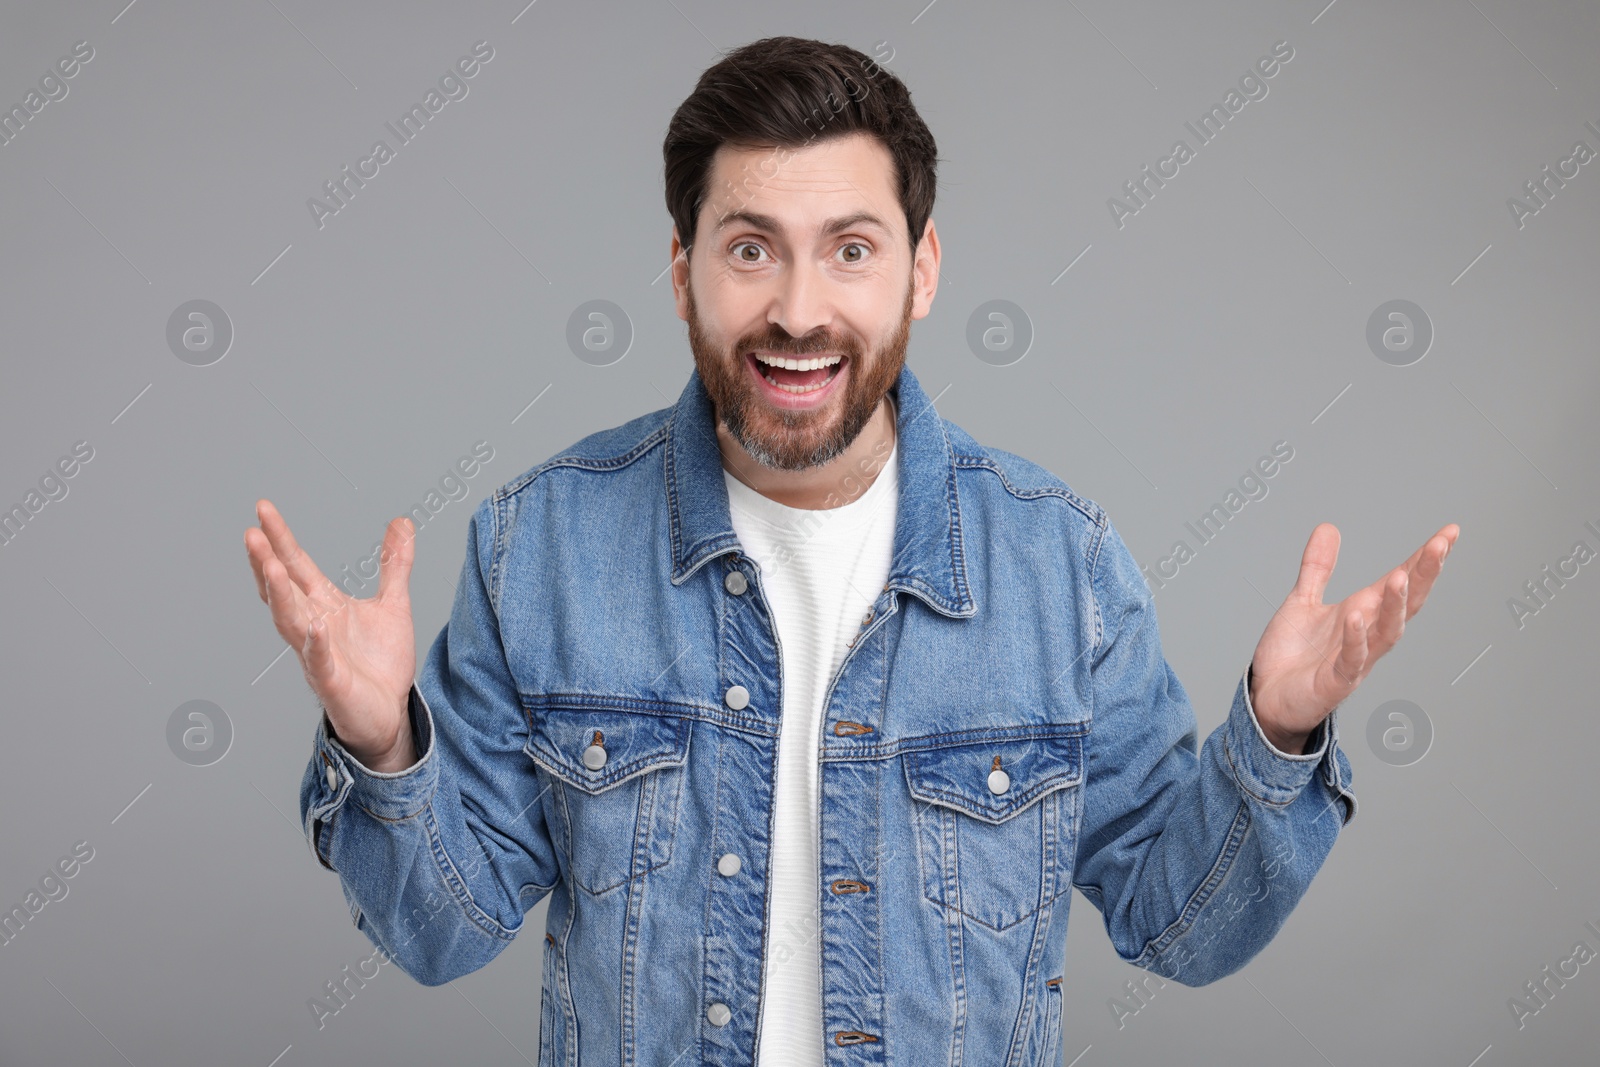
{"type": "Point", "coordinates": [1313, 655]}
{"type": "Point", "coordinates": [359, 655]}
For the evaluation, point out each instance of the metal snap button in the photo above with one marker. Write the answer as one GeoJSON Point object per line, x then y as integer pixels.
{"type": "Point", "coordinates": [737, 697]}
{"type": "Point", "coordinates": [718, 1014]}
{"type": "Point", "coordinates": [999, 781]}
{"type": "Point", "coordinates": [729, 865]}
{"type": "Point", "coordinates": [735, 582]}
{"type": "Point", "coordinates": [333, 777]}
{"type": "Point", "coordinates": [594, 757]}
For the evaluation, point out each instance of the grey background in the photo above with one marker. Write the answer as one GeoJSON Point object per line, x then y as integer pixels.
{"type": "Point", "coordinates": [369, 354]}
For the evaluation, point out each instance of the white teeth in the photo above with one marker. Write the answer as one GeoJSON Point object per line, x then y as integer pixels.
{"type": "Point", "coordinates": [798, 364]}
{"type": "Point", "coordinates": [797, 388]}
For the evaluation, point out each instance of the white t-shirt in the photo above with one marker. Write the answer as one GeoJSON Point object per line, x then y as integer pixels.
{"type": "Point", "coordinates": [822, 570]}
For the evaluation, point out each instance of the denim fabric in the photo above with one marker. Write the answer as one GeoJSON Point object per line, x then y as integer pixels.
{"type": "Point", "coordinates": [599, 722]}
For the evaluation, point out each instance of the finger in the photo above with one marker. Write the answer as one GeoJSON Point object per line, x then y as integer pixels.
{"type": "Point", "coordinates": [256, 550]}
{"type": "Point", "coordinates": [1429, 562]}
{"type": "Point", "coordinates": [1414, 566]}
{"type": "Point", "coordinates": [1449, 540]}
{"type": "Point", "coordinates": [1392, 612]}
{"type": "Point", "coordinates": [317, 654]}
{"type": "Point", "coordinates": [1352, 653]}
{"type": "Point", "coordinates": [394, 562]}
{"type": "Point", "coordinates": [1422, 573]}
{"type": "Point", "coordinates": [288, 604]}
{"type": "Point", "coordinates": [1430, 548]}
{"type": "Point", "coordinates": [294, 559]}
{"type": "Point", "coordinates": [1317, 562]}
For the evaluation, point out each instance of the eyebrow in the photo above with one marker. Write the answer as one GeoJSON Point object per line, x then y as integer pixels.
{"type": "Point", "coordinates": [831, 227]}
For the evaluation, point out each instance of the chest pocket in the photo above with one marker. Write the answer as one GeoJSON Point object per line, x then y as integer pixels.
{"type": "Point", "coordinates": [617, 780]}
{"type": "Point", "coordinates": [996, 824]}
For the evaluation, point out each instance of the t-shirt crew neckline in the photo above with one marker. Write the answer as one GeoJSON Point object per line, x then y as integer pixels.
{"type": "Point", "coordinates": [810, 524]}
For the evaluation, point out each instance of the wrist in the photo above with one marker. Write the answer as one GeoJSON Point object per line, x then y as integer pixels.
{"type": "Point", "coordinates": [398, 758]}
{"type": "Point", "coordinates": [1291, 741]}
{"type": "Point", "coordinates": [396, 754]}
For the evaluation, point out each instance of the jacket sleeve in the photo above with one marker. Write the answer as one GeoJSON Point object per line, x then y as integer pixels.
{"type": "Point", "coordinates": [1195, 859]}
{"type": "Point", "coordinates": [440, 862]}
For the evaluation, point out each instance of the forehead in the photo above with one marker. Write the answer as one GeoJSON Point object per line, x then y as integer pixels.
{"type": "Point", "coordinates": [802, 187]}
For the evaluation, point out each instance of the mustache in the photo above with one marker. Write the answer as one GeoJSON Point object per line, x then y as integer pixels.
{"type": "Point", "coordinates": [776, 340]}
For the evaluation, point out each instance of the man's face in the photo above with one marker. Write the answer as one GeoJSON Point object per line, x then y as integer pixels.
{"type": "Point", "coordinates": [801, 255]}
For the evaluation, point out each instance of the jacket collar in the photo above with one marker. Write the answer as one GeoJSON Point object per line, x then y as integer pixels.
{"type": "Point", "coordinates": [928, 557]}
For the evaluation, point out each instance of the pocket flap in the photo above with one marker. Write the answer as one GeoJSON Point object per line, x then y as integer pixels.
{"type": "Point", "coordinates": [959, 775]}
{"type": "Point", "coordinates": [633, 743]}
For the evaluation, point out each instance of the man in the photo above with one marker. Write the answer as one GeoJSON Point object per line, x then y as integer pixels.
{"type": "Point", "coordinates": [805, 709]}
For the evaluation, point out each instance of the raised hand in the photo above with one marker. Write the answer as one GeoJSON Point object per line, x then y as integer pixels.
{"type": "Point", "coordinates": [359, 656]}
{"type": "Point", "coordinates": [1313, 655]}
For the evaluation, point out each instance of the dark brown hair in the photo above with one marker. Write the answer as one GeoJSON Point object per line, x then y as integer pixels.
{"type": "Point", "coordinates": [787, 93]}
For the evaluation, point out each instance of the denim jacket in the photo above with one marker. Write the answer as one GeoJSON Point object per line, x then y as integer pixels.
{"type": "Point", "coordinates": [599, 722]}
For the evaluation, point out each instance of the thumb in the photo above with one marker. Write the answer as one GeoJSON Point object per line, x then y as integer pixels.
{"type": "Point", "coordinates": [1317, 562]}
{"type": "Point", "coordinates": [394, 561]}
{"type": "Point", "coordinates": [318, 650]}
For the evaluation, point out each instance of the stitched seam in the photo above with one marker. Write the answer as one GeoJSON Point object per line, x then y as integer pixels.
{"type": "Point", "coordinates": [847, 751]}
{"type": "Point", "coordinates": [957, 932]}
{"type": "Point", "coordinates": [631, 876]}
{"type": "Point", "coordinates": [1052, 1035]}
{"type": "Point", "coordinates": [950, 880]}
{"type": "Point", "coordinates": [1030, 974]}
{"type": "Point", "coordinates": [503, 496]}
{"type": "Point", "coordinates": [690, 713]}
{"type": "Point", "coordinates": [422, 806]}
{"type": "Point", "coordinates": [880, 995]}
{"type": "Point", "coordinates": [605, 702]}
{"type": "Point", "coordinates": [547, 1002]}
{"type": "Point", "coordinates": [1233, 768]}
{"type": "Point", "coordinates": [965, 803]}
{"type": "Point", "coordinates": [625, 772]}
{"type": "Point", "coordinates": [497, 538]}
{"type": "Point", "coordinates": [669, 464]}
{"type": "Point", "coordinates": [1201, 896]}
{"type": "Point", "coordinates": [569, 1010]}
{"type": "Point", "coordinates": [1089, 509]}
{"type": "Point", "coordinates": [958, 568]}
{"type": "Point", "coordinates": [711, 958]}
{"type": "Point", "coordinates": [644, 820]}
{"type": "Point", "coordinates": [730, 719]}
{"type": "Point", "coordinates": [1024, 917]}
{"type": "Point", "coordinates": [458, 887]}
{"type": "Point", "coordinates": [1093, 560]}
{"type": "Point", "coordinates": [387, 819]}
{"type": "Point", "coordinates": [603, 464]}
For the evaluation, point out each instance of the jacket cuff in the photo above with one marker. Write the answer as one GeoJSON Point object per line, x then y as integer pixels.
{"type": "Point", "coordinates": [1263, 770]}
{"type": "Point", "coordinates": [384, 795]}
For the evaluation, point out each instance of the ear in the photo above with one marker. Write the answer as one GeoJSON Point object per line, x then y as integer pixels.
{"type": "Point", "coordinates": [680, 276]}
{"type": "Point", "coordinates": [925, 272]}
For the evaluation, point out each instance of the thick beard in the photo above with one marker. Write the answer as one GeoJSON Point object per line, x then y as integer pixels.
{"type": "Point", "coordinates": [796, 440]}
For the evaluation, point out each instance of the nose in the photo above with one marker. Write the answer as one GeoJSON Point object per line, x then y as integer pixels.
{"type": "Point", "coordinates": [802, 302]}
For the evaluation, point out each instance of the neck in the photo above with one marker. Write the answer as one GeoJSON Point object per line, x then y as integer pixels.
{"type": "Point", "coordinates": [838, 482]}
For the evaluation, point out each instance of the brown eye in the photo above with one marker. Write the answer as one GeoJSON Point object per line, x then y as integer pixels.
{"type": "Point", "coordinates": [750, 245]}
{"type": "Point", "coordinates": [857, 257]}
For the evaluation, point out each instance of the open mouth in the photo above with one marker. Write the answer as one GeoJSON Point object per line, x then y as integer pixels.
{"type": "Point", "coordinates": [796, 375]}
